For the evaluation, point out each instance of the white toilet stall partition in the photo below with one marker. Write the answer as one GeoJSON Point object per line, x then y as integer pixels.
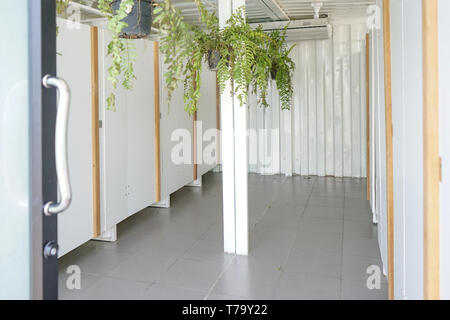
{"type": "Point", "coordinates": [207, 123]}
{"type": "Point", "coordinates": [75, 226]}
{"type": "Point", "coordinates": [324, 133]}
{"type": "Point", "coordinates": [378, 180]}
{"type": "Point", "coordinates": [407, 119]}
{"type": "Point", "coordinates": [176, 132]}
{"type": "Point", "coordinates": [127, 138]}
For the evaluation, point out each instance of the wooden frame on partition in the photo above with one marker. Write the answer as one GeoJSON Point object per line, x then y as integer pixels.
{"type": "Point", "coordinates": [95, 133]}
{"type": "Point", "coordinates": [431, 159]}
{"type": "Point", "coordinates": [389, 144]}
{"type": "Point", "coordinates": [157, 123]}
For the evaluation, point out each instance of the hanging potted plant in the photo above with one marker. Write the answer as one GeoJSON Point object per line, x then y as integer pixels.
{"type": "Point", "coordinates": [213, 59]}
{"type": "Point", "coordinates": [209, 40]}
{"type": "Point", "coordinates": [184, 47]}
{"type": "Point", "coordinates": [239, 54]}
{"type": "Point", "coordinates": [138, 18]}
{"type": "Point", "coordinates": [120, 48]}
{"type": "Point", "coordinates": [282, 66]}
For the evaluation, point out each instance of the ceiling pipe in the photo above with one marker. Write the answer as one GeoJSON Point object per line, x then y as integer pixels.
{"type": "Point", "coordinates": [316, 6]}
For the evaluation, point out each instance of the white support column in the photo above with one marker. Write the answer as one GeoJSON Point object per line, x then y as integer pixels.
{"type": "Point", "coordinates": [234, 159]}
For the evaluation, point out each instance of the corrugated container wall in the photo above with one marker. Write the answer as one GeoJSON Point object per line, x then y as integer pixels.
{"type": "Point", "coordinates": [324, 133]}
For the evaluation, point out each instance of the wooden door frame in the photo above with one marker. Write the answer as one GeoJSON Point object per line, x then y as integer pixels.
{"type": "Point", "coordinates": [389, 143]}
{"type": "Point", "coordinates": [157, 122]}
{"type": "Point", "coordinates": [431, 159]}
{"type": "Point", "coordinates": [95, 133]}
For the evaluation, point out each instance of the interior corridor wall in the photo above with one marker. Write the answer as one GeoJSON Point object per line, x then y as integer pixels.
{"type": "Point", "coordinates": [324, 133]}
{"type": "Point", "coordinates": [378, 202]}
{"type": "Point", "coordinates": [407, 120]}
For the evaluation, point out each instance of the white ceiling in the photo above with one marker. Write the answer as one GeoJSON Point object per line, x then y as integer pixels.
{"type": "Point", "coordinates": [263, 10]}
{"type": "Point", "coordinates": [276, 10]}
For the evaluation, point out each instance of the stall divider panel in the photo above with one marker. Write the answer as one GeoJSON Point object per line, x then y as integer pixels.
{"type": "Point", "coordinates": [76, 225]}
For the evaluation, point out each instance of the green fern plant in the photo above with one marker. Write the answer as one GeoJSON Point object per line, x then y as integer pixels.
{"type": "Point", "coordinates": [122, 51]}
{"type": "Point", "coordinates": [61, 5]}
{"type": "Point", "coordinates": [184, 47]}
{"type": "Point", "coordinates": [245, 55]}
{"type": "Point", "coordinates": [282, 66]}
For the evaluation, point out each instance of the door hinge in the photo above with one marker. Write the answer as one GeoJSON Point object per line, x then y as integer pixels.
{"type": "Point", "coordinates": [440, 169]}
{"type": "Point", "coordinates": [100, 124]}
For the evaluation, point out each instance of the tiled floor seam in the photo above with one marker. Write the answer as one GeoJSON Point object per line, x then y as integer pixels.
{"type": "Point", "coordinates": [211, 289]}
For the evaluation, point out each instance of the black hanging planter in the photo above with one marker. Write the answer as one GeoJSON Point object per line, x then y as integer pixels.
{"type": "Point", "coordinates": [273, 73]}
{"type": "Point", "coordinates": [139, 20]}
{"type": "Point", "coordinates": [213, 59]}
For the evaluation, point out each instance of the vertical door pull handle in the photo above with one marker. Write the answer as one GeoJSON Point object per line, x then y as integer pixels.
{"type": "Point", "coordinates": [61, 131]}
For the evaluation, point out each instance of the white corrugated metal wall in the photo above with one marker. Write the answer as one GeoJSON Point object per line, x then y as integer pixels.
{"type": "Point", "coordinates": [325, 132]}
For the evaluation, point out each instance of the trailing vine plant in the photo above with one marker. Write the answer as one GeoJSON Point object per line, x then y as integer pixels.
{"type": "Point", "coordinates": [121, 50]}
{"type": "Point", "coordinates": [61, 5]}
{"type": "Point", "coordinates": [246, 59]}
{"type": "Point", "coordinates": [282, 66]}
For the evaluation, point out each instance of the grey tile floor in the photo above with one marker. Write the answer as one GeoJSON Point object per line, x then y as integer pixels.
{"type": "Point", "coordinates": [311, 238]}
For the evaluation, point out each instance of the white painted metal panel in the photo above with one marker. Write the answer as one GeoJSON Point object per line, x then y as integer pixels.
{"type": "Point", "coordinates": [126, 138]}
{"type": "Point", "coordinates": [311, 106]}
{"type": "Point", "coordinates": [206, 113]}
{"type": "Point", "coordinates": [177, 124]}
{"type": "Point", "coordinates": [444, 110]}
{"type": "Point", "coordinates": [329, 108]}
{"type": "Point", "coordinates": [406, 31]}
{"type": "Point", "coordinates": [346, 100]}
{"type": "Point", "coordinates": [320, 98]}
{"type": "Point", "coordinates": [398, 118]}
{"type": "Point", "coordinates": [113, 145]}
{"type": "Point", "coordinates": [356, 107]}
{"type": "Point", "coordinates": [75, 226]}
{"type": "Point", "coordinates": [141, 131]}
{"type": "Point", "coordinates": [227, 142]}
{"type": "Point", "coordinates": [413, 145]}
{"type": "Point", "coordinates": [372, 97]}
{"type": "Point", "coordinates": [379, 142]}
{"type": "Point", "coordinates": [338, 104]}
{"type": "Point", "coordinates": [241, 168]}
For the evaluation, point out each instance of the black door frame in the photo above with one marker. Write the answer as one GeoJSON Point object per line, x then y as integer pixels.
{"type": "Point", "coordinates": [43, 184]}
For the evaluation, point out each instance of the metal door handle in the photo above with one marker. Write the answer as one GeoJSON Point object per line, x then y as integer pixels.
{"type": "Point", "coordinates": [61, 129]}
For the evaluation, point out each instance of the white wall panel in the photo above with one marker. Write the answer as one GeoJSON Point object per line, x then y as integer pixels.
{"type": "Point", "coordinates": [378, 138]}
{"type": "Point", "coordinates": [407, 118]}
{"type": "Point", "coordinates": [75, 226]}
{"type": "Point", "coordinates": [126, 138]}
{"type": "Point", "coordinates": [206, 114]}
{"type": "Point", "coordinates": [141, 131]}
{"type": "Point", "coordinates": [113, 145]}
{"type": "Point", "coordinates": [174, 117]}
{"type": "Point", "coordinates": [324, 133]}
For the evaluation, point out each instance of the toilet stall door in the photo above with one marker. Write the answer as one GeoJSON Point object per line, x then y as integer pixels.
{"type": "Point", "coordinates": [31, 150]}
